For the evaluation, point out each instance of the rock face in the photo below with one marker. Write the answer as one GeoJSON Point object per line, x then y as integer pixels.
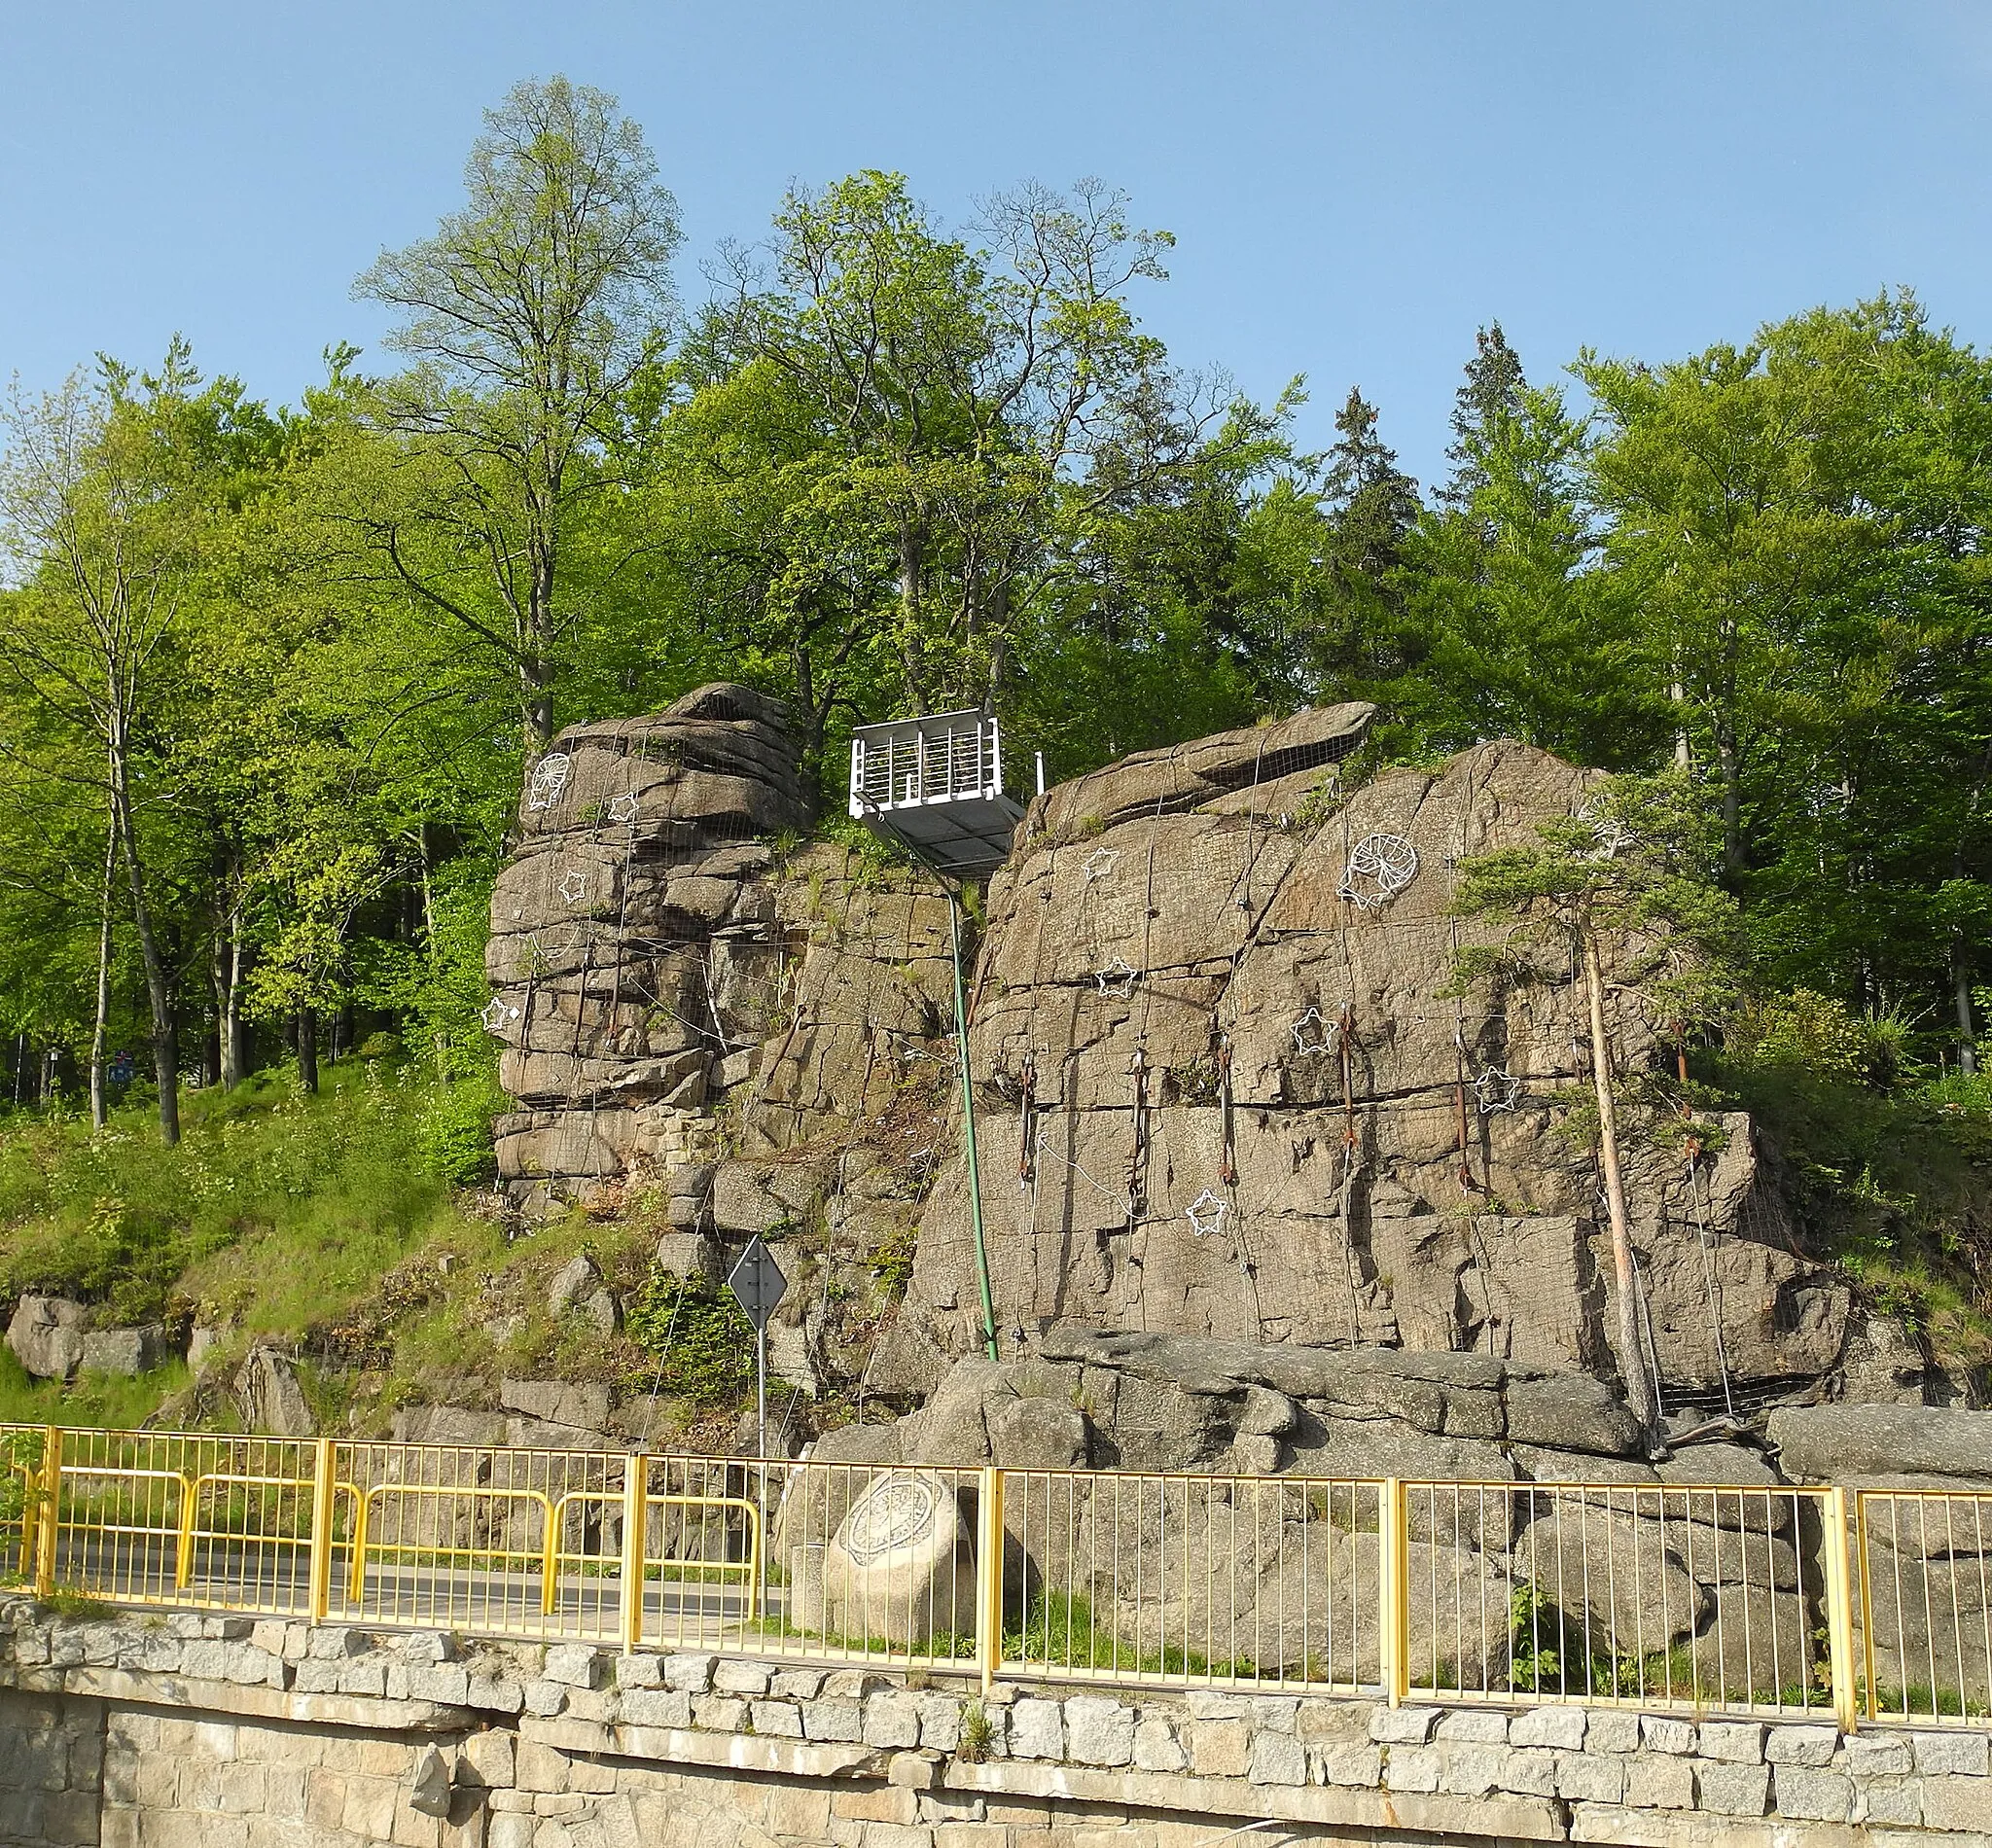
{"type": "Point", "coordinates": [633, 947]}
{"type": "Point", "coordinates": [1223, 1092]}
{"type": "Point", "coordinates": [654, 956]}
{"type": "Point", "coordinates": [270, 1400]}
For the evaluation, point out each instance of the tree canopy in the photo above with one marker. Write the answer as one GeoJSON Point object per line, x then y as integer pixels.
{"type": "Point", "coordinates": [269, 679]}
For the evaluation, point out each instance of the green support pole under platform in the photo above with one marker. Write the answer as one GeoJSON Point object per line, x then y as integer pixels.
{"type": "Point", "coordinates": [968, 1119]}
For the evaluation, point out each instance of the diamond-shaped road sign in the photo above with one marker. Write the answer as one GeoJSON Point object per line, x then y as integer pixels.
{"type": "Point", "coordinates": [757, 1283]}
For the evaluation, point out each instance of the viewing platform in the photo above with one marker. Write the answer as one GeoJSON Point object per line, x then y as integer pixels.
{"type": "Point", "coordinates": [936, 784]}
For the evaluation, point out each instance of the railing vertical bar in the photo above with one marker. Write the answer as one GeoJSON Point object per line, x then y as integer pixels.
{"type": "Point", "coordinates": [635, 1488]}
{"type": "Point", "coordinates": [48, 1533]}
{"type": "Point", "coordinates": [323, 1476]}
{"type": "Point", "coordinates": [1840, 1613]}
{"type": "Point", "coordinates": [989, 1577]}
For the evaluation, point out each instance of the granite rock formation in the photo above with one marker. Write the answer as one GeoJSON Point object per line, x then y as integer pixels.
{"type": "Point", "coordinates": [1227, 1093]}
{"type": "Point", "coordinates": [1223, 1089]}
{"type": "Point", "coordinates": [634, 953]}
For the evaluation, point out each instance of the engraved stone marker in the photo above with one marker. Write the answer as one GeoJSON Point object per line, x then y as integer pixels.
{"type": "Point", "coordinates": [901, 1565]}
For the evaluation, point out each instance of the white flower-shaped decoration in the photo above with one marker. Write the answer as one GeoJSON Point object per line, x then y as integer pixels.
{"type": "Point", "coordinates": [497, 1015]}
{"type": "Point", "coordinates": [1098, 864]}
{"type": "Point", "coordinates": [1610, 832]}
{"type": "Point", "coordinates": [623, 808]}
{"type": "Point", "coordinates": [574, 888]}
{"type": "Point", "coordinates": [1379, 868]}
{"type": "Point", "coordinates": [1206, 1213]}
{"type": "Point", "coordinates": [1496, 1089]}
{"type": "Point", "coordinates": [1116, 979]}
{"type": "Point", "coordinates": [1311, 1034]}
{"type": "Point", "coordinates": [549, 780]}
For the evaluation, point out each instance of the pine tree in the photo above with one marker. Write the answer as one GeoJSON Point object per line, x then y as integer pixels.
{"type": "Point", "coordinates": [1493, 392]}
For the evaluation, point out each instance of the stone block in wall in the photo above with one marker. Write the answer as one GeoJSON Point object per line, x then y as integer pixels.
{"type": "Point", "coordinates": [1804, 1792]}
{"type": "Point", "coordinates": [1659, 1783]}
{"type": "Point", "coordinates": [1962, 1803]}
{"type": "Point", "coordinates": [1732, 1790]}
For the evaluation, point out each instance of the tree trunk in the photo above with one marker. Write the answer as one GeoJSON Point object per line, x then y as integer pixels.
{"type": "Point", "coordinates": [306, 1030]}
{"type": "Point", "coordinates": [234, 1029]}
{"type": "Point", "coordinates": [911, 616]}
{"type": "Point", "coordinates": [159, 983]}
{"type": "Point", "coordinates": [1639, 1392]}
{"type": "Point", "coordinates": [1961, 988]}
{"type": "Point", "coordinates": [1730, 771]}
{"type": "Point", "coordinates": [99, 1100]}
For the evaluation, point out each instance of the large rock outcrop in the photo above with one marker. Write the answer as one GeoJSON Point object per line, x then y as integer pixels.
{"type": "Point", "coordinates": [634, 954]}
{"type": "Point", "coordinates": [1225, 1092]}
{"type": "Point", "coordinates": [1224, 1085]}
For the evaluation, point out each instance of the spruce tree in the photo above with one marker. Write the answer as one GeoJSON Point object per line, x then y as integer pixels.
{"type": "Point", "coordinates": [1492, 391]}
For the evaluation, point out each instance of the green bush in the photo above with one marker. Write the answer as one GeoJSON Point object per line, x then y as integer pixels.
{"type": "Point", "coordinates": [454, 1132]}
{"type": "Point", "coordinates": [694, 1331]}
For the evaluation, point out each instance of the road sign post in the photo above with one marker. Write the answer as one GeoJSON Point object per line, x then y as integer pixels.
{"type": "Point", "coordinates": [759, 1285]}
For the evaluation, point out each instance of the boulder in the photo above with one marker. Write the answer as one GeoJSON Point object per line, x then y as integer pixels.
{"type": "Point", "coordinates": [1620, 1577]}
{"type": "Point", "coordinates": [1459, 1485]}
{"type": "Point", "coordinates": [688, 1254]}
{"type": "Point", "coordinates": [901, 1565]}
{"type": "Point", "coordinates": [576, 1280]}
{"type": "Point", "coordinates": [269, 1398]}
{"type": "Point", "coordinates": [1833, 1442]}
{"type": "Point", "coordinates": [448, 1425]}
{"type": "Point", "coordinates": [1571, 1412]}
{"type": "Point", "coordinates": [1276, 1585]}
{"type": "Point", "coordinates": [1706, 1470]}
{"type": "Point", "coordinates": [815, 1498]}
{"type": "Point", "coordinates": [47, 1336]}
{"type": "Point", "coordinates": [1929, 1631]}
{"type": "Point", "coordinates": [767, 1196]}
{"type": "Point", "coordinates": [1037, 1433]}
{"type": "Point", "coordinates": [126, 1351]}
{"type": "Point", "coordinates": [1755, 1646]}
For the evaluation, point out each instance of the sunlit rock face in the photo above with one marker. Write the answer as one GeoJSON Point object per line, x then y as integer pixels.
{"type": "Point", "coordinates": [1225, 1087]}
{"type": "Point", "coordinates": [1227, 1092]}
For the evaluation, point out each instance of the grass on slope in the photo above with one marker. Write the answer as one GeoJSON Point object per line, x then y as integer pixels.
{"type": "Point", "coordinates": [1895, 1187]}
{"type": "Point", "coordinates": [322, 1226]}
{"type": "Point", "coordinates": [275, 1213]}
{"type": "Point", "coordinates": [122, 1221]}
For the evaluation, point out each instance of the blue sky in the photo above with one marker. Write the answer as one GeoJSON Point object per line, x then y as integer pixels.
{"type": "Point", "coordinates": [1354, 187]}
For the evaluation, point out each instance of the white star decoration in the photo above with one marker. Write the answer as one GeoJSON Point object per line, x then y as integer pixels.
{"type": "Point", "coordinates": [497, 1015]}
{"type": "Point", "coordinates": [1116, 979]}
{"type": "Point", "coordinates": [1310, 1034]}
{"type": "Point", "coordinates": [624, 808]}
{"type": "Point", "coordinates": [1206, 1213]}
{"type": "Point", "coordinates": [1098, 864]}
{"type": "Point", "coordinates": [574, 888]}
{"type": "Point", "coordinates": [1496, 1090]}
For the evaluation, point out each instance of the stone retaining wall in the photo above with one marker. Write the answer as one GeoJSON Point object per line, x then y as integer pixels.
{"type": "Point", "coordinates": [186, 1732]}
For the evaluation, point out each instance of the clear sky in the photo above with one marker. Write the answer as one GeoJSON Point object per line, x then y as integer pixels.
{"type": "Point", "coordinates": [1354, 187]}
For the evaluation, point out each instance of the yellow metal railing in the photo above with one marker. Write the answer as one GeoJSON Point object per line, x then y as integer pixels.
{"type": "Point", "coordinates": [1768, 1600]}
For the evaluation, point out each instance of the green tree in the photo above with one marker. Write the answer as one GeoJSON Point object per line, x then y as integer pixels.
{"type": "Point", "coordinates": [1628, 866]}
{"type": "Point", "coordinates": [1524, 636]}
{"type": "Point", "coordinates": [109, 498]}
{"type": "Point", "coordinates": [529, 312]}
